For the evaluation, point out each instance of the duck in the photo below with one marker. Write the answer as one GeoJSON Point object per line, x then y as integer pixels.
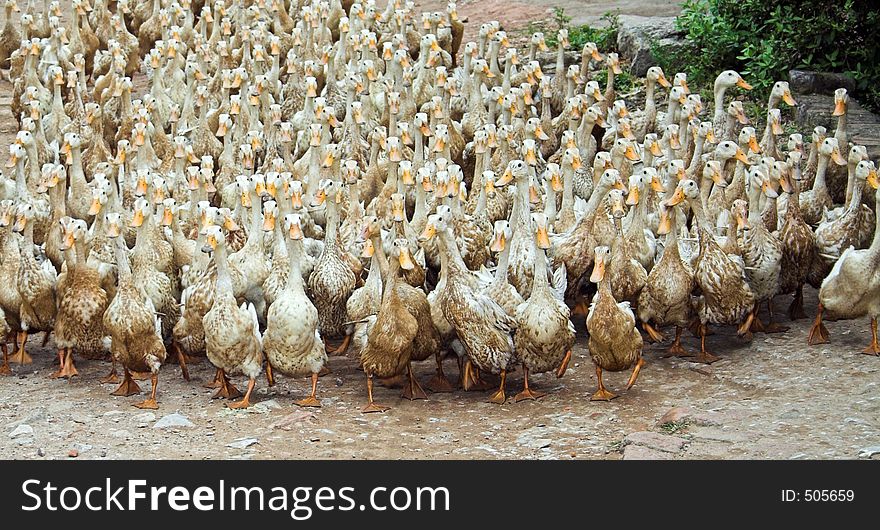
{"type": "Point", "coordinates": [645, 122]}
{"type": "Point", "coordinates": [798, 241]}
{"type": "Point", "coordinates": [35, 282]}
{"type": "Point", "coordinates": [626, 273]}
{"type": "Point", "coordinates": [614, 344]}
{"type": "Point", "coordinates": [724, 81]}
{"type": "Point", "coordinates": [233, 342]}
{"type": "Point", "coordinates": [482, 327]}
{"type": "Point", "coordinates": [666, 297]}
{"type": "Point", "coordinates": [726, 296]}
{"type": "Point", "coordinates": [544, 333]}
{"type": "Point", "coordinates": [850, 290]}
{"type": "Point", "coordinates": [10, 36]}
{"type": "Point", "coordinates": [831, 237]}
{"type": "Point", "coordinates": [332, 280]}
{"type": "Point", "coordinates": [291, 342]}
{"type": "Point", "coordinates": [82, 302]}
{"type": "Point", "coordinates": [131, 322]}
{"type": "Point", "coordinates": [10, 299]}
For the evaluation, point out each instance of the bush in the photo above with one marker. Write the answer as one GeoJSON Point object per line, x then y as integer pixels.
{"type": "Point", "coordinates": [605, 38]}
{"type": "Point", "coordinates": [764, 40]}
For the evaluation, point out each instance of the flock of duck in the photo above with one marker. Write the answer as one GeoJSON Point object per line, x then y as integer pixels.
{"type": "Point", "coordinates": [295, 171]}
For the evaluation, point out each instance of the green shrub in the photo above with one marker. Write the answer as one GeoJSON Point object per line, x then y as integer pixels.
{"type": "Point", "coordinates": [763, 40]}
{"type": "Point", "coordinates": [605, 38]}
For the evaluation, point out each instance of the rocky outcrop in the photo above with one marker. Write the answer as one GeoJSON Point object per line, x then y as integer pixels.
{"type": "Point", "coordinates": [810, 82]}
{"type": "Point", "coordinates": [637, 35]}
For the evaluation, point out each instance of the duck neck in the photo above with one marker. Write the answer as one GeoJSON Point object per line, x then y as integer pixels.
{"type": "Point", "coordinates": [294, 257]}
{"type": "Point", "coordinates": [875, 243]}
{"type": "Point", "coordinates": [567, 187]}
{"type": "Point", "coordinates": [840, 134]}
{"type": "Point", "coordinates": [550, 204]}
{"type": "Point", "coordinates": [850, 181]}
{"type": "Point", "coordinates": [540, 274]}
{"type": "Point", "coordinates": [650, 84]}
{"type": "Point", "coordinates": [332, 224]}
{"type": "Point", "coordinates": [719, 91]}
{"type": "Point", "coordinates": [822, 166]}
{"type": "Point", "coordinates": [450, 256]}
{"type": "Point", "coordinates": [224, 278]}
{"type": "Point", "coordinates": [255, 232]}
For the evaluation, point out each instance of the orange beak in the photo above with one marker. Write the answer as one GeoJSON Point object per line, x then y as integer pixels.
{"type": "Point", "coordinates": [742, 84]}
{"type": "Point", "coordinates": [598, 271]}
{"type": "Point", "coordinates": [839, 108]}
{"type": "Point", "coordinates": [676, 198]}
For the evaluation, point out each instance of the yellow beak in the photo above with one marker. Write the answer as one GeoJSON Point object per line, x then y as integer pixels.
{"type": "Point", "coordinates": [95, 208]}
{"type": "Point", "coordinates": [598, 271]}
{"type": "Point", "coordinates": [742, 84]}
{"type": "Point", "coordinates": [138, 219]}
{"type": "Point", "coordinates": [676, 198]}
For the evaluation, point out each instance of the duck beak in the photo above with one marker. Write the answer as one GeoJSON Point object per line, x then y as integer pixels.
{"type": "Point", "coordinates": [114, 230]}
{"type": "Point", "coordinates": [167, 217]}
{"type": "Point", "coordinates": [230, 225]}
{"type": "Point", "coordinates": [577, 163]}
{"type": "Point", "coordinates": [776, 128]}
{"type": "Point", "coordinates": [656, 185]}
{"type": "Point", "coordinates": [138, 219]}
{"type": "Point", "coordinates": [505, 179]}
{"type": "Point", "coordinates": [222, 129]}
{"type": "Point", "coordinates": [369, 249]}
{"type": "Point", "coordinates": [753, 146]}
{"type": "Point", "coordinates": [269, 222]}
{"type": "Point", "coordinates": [531, 158]}
{"type": "Point", "coordinates": [838, 158]}
{"type": "Point", "coordinates": [542, 237]}
{"type": "Point", "coordinates": [397, 212]}
{"type": "Point", "coordinates": [329, 159]}
{"type": "Point", "coordinates": [655, 149]}
{"type": "Point", "coordinates": [768, 190]}
{"type": "Point", "coordinates": [676, 198]}
{"type": "Point", "coordinates": [786, 97]}
{"type": "Point", "coordinates": [741, 117]}
{"type": "Point", "coordinates": [710, 137]}
{"type": "Point", "coordinates": [296, 200]}
{"type": "Point", "coordinates": [556, 182]}
{"type": "Point", "coordinates": [13, 159]}
{"type": "Point", "coordinates": [633, 198]}
{"type": "Point", "coordinates": [141, 189]}
{"type": "Point", "coordinates": [665, 225]}
{"type": "Point", "coordinates": [95, 208]}
{"type": "Point", "coordinates": [718, 179]}
{"type": "Point", "coordinates": [839, 108]}
{"type": "Point", "coordinates": [786, 185]}
{"type": "Point", "coordinates": [20, 222]}
{"type": "Point", "coordinates": [428, 233]}
{"type": "Point", "coordinates": [741, 222]}
{"type": "Point", "coordinates": [439, 145]}
{"type": "Point", "coordinates": [319, 198]}
{"type": "Point", "coordinates": [674, 142]}
{"type": "Point", "coordinates": [872, 179]}
{"type": "Point", "coordinates": [595, 55]}
{"type": "Point", "coordinates": [498, 242]}
{"type": "Point", "coordinates": [405, 259]}
{"type": "Point", "coordinates": [598, 271]}
{"type": "Point", "coordinates": [742, 84]}
{"type": "Point", "coordinates": [663, 81]}
{"type": "Point", "coordinates": [616, 68]}
{"type": "Point", "coordinates": [67, 241]}
{"type": "Point", "coordinates": [741, 156]}
{"type": "Point", "coordinates": [598, 96]}
{"type": "Point", "coordinates": [534, 198]}
{"type": "Point", "coordinates": [630, 153]}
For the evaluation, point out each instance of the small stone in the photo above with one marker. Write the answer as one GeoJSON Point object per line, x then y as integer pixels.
{"type": "Point", "coordinates": [82, 448]}
{"type": "Point", "coordinates": [242, 443]}
{"type": "Point", "coordinates": [73, 453]}
{"type": "Point", "coordinates": [638, 452]}
{"type": "Point", "coordinates": [145, 417]}
{"type": "Point", "coordinates": [339, 381]}
{"type": "Point", "coordinates": [21, 430]}
{"type": "Point", "coordinates": [869, 452]}
{"type": "Point", "coordinates": [173, 420]}
{"type": "Point", "coordinates": [703, 369]}
{"type": "Point", "coordinates": [636, 36]}
{"type": "Point", "coordinates": [296, 417]}
{"type": "Point", "coordinates": [653, 440]}
{"type": "Point", "coordinates": [103, 453]}
{"type": "Point", "coordinates": [41, 451]}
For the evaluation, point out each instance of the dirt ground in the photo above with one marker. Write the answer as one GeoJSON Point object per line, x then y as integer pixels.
{"type": "Point", "coordinates": [772, 398]}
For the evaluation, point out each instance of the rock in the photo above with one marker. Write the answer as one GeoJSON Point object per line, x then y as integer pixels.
{"type": "Point", "coordinates": [636, 35]}
{"type": "Point", "coordinates": [653, 440]}
{"type": "Point", "coordinates": [41, 451]}
{"type": "Point", "coordinates": [173, 420]}
{"type": "Point", "coordinates": [533, 440]}
{"type": "Point", "coordinates": [294, 418]}
{"type": "Point", "coordinates": [73, 453]}
{"type": "Point", "coordinates": [869, 452]}
{"type": "Point", "coordinates": [145, 417]}
{"type": "Point", "coordinates": [82, 448]}
{"type": "Point", "coordinates": [21, 430]}
{"type": "Point", "coordinates": [689, 415]}
{"type": "Point", "coordinates": [810, 82]}
{"type": "Point", "coordinates": [548, 60]}
{"type": "Point", "coordinates": [242, 443]}
{"type": "Point", "coordinates": [638, 452]}
{"type": "Point", "coordinates": [339, 381]}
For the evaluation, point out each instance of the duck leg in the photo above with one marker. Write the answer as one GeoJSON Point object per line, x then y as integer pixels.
{"type": "Point", "coordinates": [312, 400]}
{"type": "Point", "coordinates": [412, 390]}
{"type": "Point", "coordinates": [773, 327]}
{"type": "Point", "coordinates": [527, 393]}
{"type": "Point", "coordinates": [635, 372]}
{"type": "Point", "coordinates": [470, 379]}
{"type": "Point", "coordinates": [227, 389]}
{"type": "Point", "coordinates": [270, 377]}
{"type": "Point", "coordinates": [439, 383]}
{"type": "Point", "coordinates": [20, 355]}
{"type": "Point", "coordinates": [602, 393]}
{"type": "Point", "coordinates": [342, 347]}
{"type": "Point", "coordinates": [128, 386]}
{"type": "Point", "coordinates": [675, 348]}
{"type": "Point", "coordinates": [4, 368]}
{"type": "Point", "coordinates": [874, 347]}
{"type": "Point", "coordinates": [796, 309]}
{"type": "Point", "coordinates": [703, 356]}
{"type": "Point", "coordinates": [748, 325]}
{"type": "Point", "coordinates": [113, 376]}
{"type": "Point", "coordinates": [653, 334]}
{"type": "Point", "coordinates": [218, 380]}
{"type": "Point", "coordinates": [150, 403]}
{"type": "Point", "coordinates": [372, 406]}
{"type": "Point", "coordinates": [67, 369]}
{"type": "Point", "coordinates": [563, 366]}
{"type": "Point", "coordinates": [181, 360]}
{"type": "Point", "coordinates": [818, 332]}
{"type": "Point", "coordinates": [246, 400]}
{"type": "Point", "coordinates": [498, 397]}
